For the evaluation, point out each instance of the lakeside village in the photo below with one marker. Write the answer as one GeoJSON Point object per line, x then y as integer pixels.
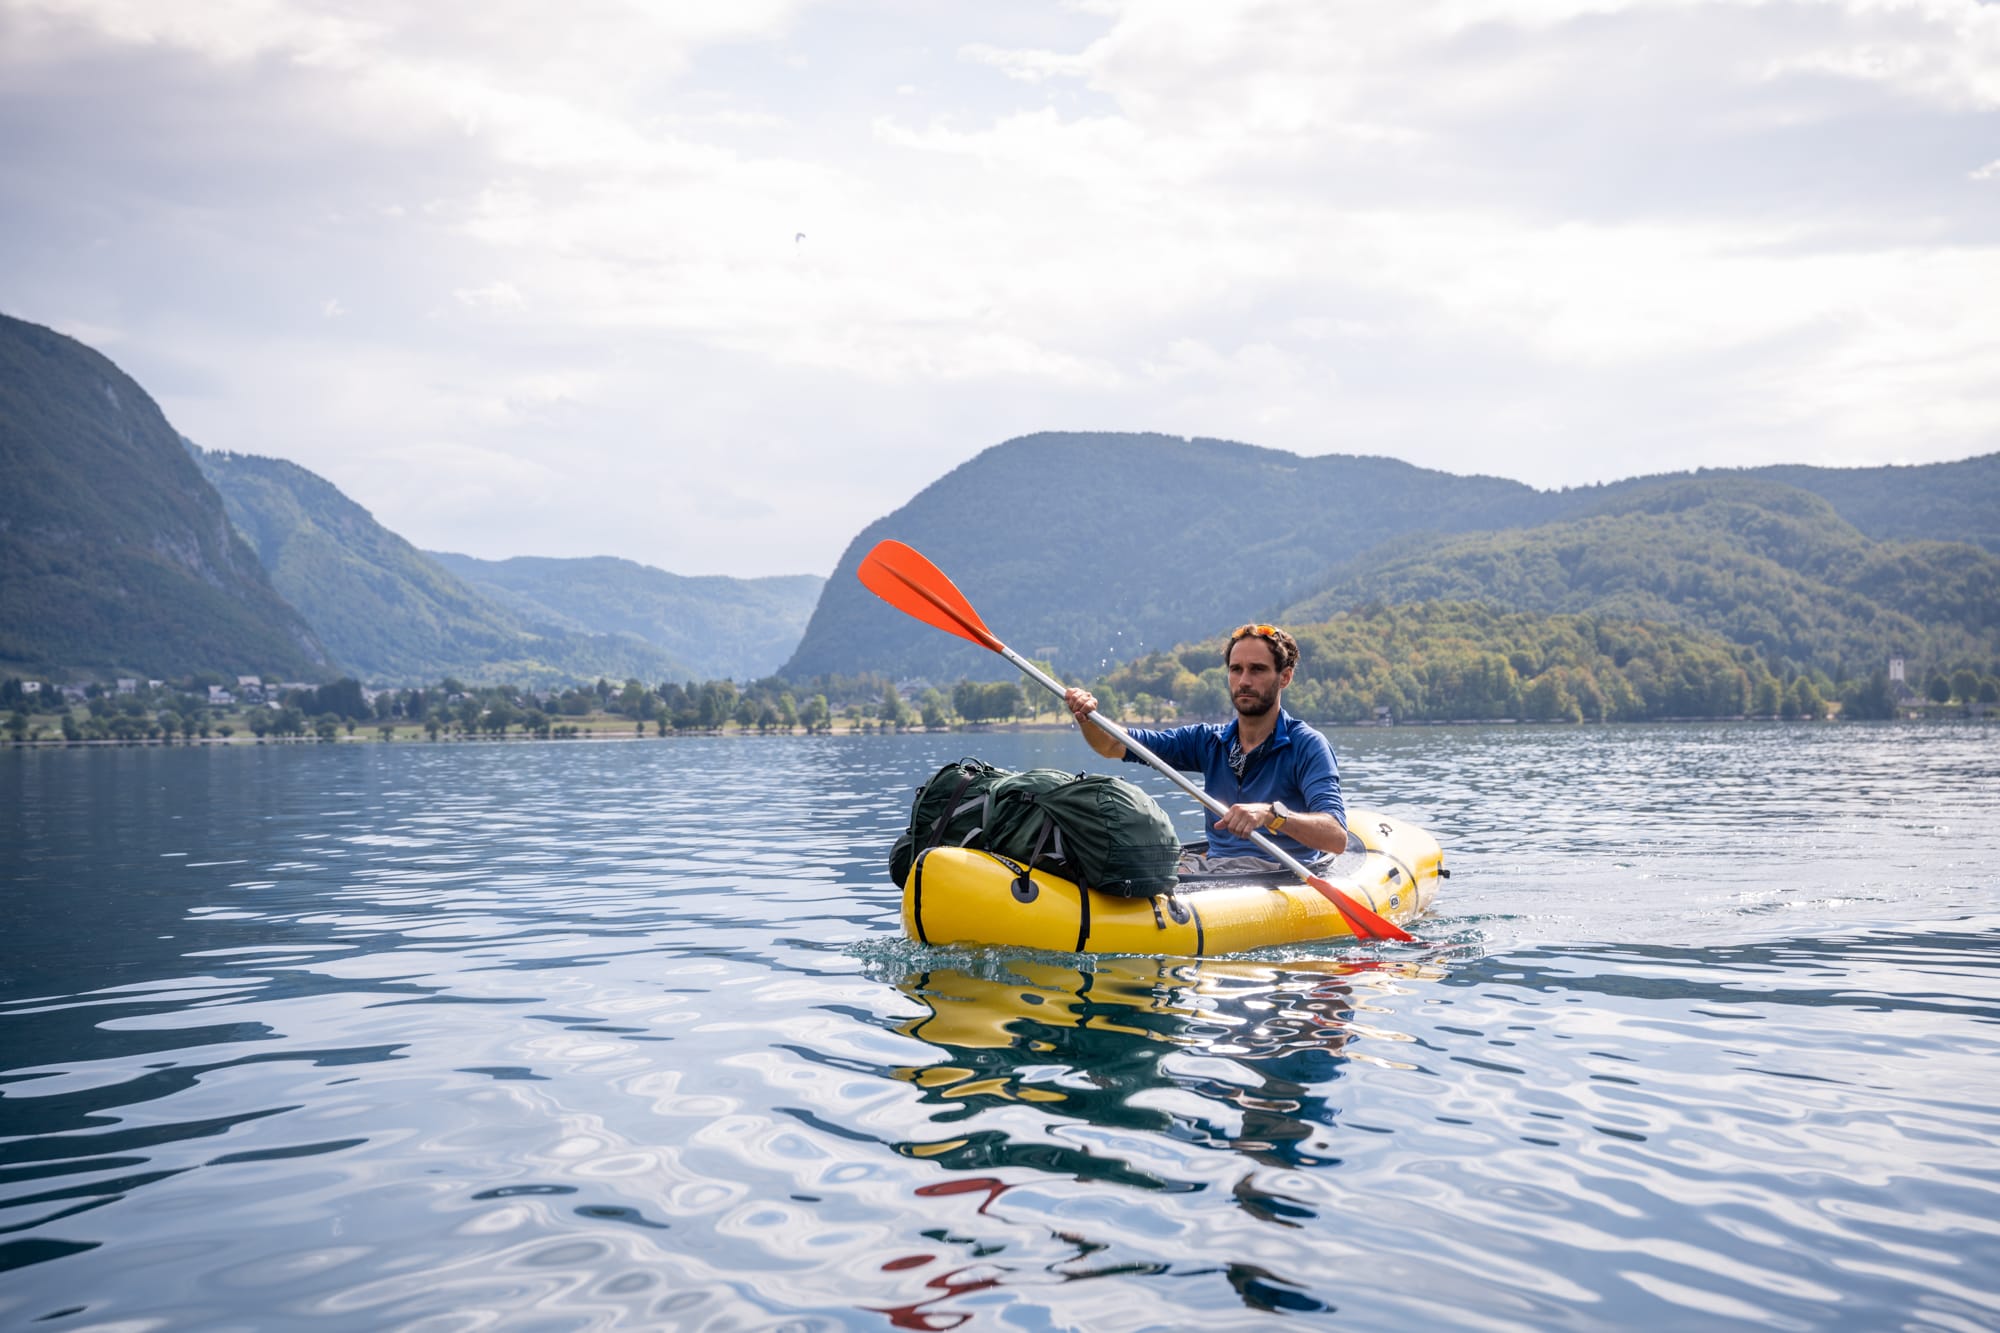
{"type": "Point", "coordinates": [254, 709]}
{"type": "Point", "coordinates": [204, 709]}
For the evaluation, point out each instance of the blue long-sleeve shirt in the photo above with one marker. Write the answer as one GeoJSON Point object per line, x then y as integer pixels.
{"type": "Point", "coordinates": [1294, 765]}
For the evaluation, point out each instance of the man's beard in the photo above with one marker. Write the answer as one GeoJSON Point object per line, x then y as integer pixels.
{"type": "Point", "coordinates": [1249, 703]}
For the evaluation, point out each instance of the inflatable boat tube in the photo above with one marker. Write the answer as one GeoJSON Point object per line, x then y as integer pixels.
{"type": "Point", "coordinates": [968, 896]}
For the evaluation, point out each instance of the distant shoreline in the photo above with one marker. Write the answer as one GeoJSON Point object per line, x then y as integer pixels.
{"type": "Point", "coordinates": [609, 735]}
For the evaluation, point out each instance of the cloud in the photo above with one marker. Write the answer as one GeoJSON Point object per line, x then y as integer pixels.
{"type": "Point", "coordinates": [1563, 239]}
{"type": "Point", "coordinates": [494, 296]}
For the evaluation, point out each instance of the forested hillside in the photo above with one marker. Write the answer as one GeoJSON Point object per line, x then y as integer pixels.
{"type": "Point", "coordinates": [1091, 549]}
{"type": "Point", "coordinates": [1465, 661]}
{"type": "Point", "coordinates": [388, 612]}
{"type": "Point", "coordinates": [1762, 564]}
{"type": "Point", "coordinates": [1958, 501]}
{"type": "Point", "coordinates": [115, 552]}
{"type": "Point", "coordinates": [720, 627]}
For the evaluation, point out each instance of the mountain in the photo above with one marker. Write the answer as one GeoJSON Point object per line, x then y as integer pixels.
{"type": "Point", "coordinates": [116, 554]}
{"type": "Point", "coordinates": [742, 629]}
{"type": "Point", "coordinates": [386, 611]}
{"type": "Point", "coordinates": [1089, 549]}
{"type": "Point", "coordinates": [1763, 564]}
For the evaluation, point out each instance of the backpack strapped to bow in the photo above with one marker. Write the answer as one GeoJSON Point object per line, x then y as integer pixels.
{"type": "Point", "coordinates": [1101, 832]}
{"type": "Point", "coordinates": [950, 808]}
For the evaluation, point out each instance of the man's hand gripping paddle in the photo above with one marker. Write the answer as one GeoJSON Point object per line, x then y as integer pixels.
{"type": "Point", "coordinates": [903, 578]}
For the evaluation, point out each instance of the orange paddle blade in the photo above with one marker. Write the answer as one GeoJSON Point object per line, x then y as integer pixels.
{"type": "Point", "coordinates": [900, 576]}
{"type": "Point", "coordinates": [1366, 924]}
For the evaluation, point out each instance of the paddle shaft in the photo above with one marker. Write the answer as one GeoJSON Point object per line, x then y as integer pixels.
{"type": "Point", "coordinates": [1173, 774]}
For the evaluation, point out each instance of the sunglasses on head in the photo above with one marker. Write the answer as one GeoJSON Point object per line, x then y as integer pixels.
{"type": "Point", "coordinates": [1261, 631]}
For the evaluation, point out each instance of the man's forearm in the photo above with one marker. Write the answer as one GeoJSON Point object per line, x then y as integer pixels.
{"type": "Point", "coordinates": [1318, 830]}
{"type": "Point", "coordinates": [1101, 740]}
{"type": "Point", "coordinates": [1082, 703]}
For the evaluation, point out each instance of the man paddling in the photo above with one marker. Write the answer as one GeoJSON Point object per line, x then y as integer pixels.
{"type": "Point", "coordinates": [1274, 772]}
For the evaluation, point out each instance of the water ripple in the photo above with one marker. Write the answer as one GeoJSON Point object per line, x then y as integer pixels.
{"type": "Point", "coordinates": [608, 1036]}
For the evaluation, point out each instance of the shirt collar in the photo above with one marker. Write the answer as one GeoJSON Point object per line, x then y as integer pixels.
{"type": "Point", "coordinates": [1281, 734]}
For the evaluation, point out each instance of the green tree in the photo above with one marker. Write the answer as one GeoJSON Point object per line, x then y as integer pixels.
{"type": "Point", "coordinates": [17, 725]}
{"type": "Point", "coordinates": [935, 709]}
{"type": "Point", "coordinates": [1209, 697]}
{"type": "Point", "coordinates": [1004, 699]}
{"type": "Point", "coordinates": [1964, 685]}
{"type": "Point", "coordinates": [717, 703]}
{"type": "Point", "coordinates": [1547, 699]}
{"type": "Point", "coordinates": [1938, 689]}
{"type": "Point", "coordinates": [1868, 700]}
{"type": "Point", "coordinates": [342, 697]}
{"type": "Point", "coordinates": [894, 711]}
{"type": "Point", "coordinates": [501, 714]}
{"type": "Point", "coordinates": [816, 715]}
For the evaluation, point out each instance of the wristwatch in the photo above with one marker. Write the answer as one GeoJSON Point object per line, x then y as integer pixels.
{"type": "Point", "coordinates": [1279, 814]}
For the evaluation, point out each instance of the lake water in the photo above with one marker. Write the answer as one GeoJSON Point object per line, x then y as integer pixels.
{"type": "Point", "coordinates": [1705, 1032]}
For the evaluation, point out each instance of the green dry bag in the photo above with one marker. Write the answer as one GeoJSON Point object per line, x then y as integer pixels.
{"type": "Point", "coordinates": [1102, 832]}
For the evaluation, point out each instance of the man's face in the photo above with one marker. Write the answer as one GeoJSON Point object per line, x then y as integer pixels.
{"type": "Point", "coordinates": [1254, 678]}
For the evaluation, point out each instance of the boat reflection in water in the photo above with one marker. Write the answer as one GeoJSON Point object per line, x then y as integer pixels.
{"type": "Point", "coordinates": [1214, 1053]}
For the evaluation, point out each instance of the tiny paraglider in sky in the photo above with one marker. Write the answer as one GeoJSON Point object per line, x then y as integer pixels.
{"type": "Point", "coordinates": [800, 237]}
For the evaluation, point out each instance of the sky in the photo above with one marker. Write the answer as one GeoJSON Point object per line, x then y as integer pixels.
{"type": "Point", "coordinates": [713, 286]}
